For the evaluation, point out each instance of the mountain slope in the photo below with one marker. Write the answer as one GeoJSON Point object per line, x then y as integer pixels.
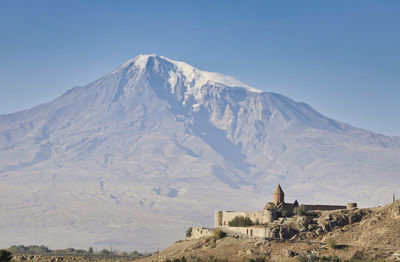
{"type": "Point", "coordinates": [157, 145]}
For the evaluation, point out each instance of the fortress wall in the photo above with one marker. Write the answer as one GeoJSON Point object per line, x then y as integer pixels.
{"type": "Point", "coordinates": [218, 218]}
{"type": "Point", "coordinates": [261, 232]}
{"type": "Point", "coordinates": [227, 216]}
{"type": "Point", "coordinates": [270, 215]}
{"type": "Point", "coordinates": [351, 205]}
{"type": "Point", "coordinates": [259, 216]}
{"type": "Point", "coordinates": [199, 232]}
{"type": "Point", "coordinates": [323, 207]}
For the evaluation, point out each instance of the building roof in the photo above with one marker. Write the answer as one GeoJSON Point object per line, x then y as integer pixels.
{"type": "Point", "coordinates": [279, 190]}
{"type": "Point", "coordinates": [269, 205]}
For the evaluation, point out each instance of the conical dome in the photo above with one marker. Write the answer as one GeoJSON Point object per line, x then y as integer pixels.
{"type": "Point", "coordinates": [279, 196]}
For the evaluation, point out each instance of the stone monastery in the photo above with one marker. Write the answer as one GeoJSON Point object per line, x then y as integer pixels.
{"type": "Point", "coordinates": [278, 209]}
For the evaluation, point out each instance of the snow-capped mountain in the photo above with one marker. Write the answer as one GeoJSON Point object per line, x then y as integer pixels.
{"type": "Point", "coordinates": [157, 145]}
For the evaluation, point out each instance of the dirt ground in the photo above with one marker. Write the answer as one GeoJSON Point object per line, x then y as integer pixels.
{"type": "Point", "coordinates": [234, 249]}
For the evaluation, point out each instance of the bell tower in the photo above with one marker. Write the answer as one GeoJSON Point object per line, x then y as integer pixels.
{"type": "Point", "coordinates": [279, 196]}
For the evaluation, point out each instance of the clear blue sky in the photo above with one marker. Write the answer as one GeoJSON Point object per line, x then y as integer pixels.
{"type": "Point", "coordinates": [341, 57]}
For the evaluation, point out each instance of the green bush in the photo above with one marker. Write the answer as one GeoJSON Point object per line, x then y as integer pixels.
{"type": "Point", "coordinates": [300, 210]}
{"type": "Point", "coordinates": [218, 234]}
{"type": "Point", "coordinates": [34, 249]}
{"type": "Point", "coordinates": [283, 212]}
{"type": "Point", "coordinates": [240, 221]}
{"type": "Point", "coordinates": [5, 255]}
{"type": "Point", "coordinates": [104, 252]}
{"type": "Point", "coordinates": [189, 232]}
{"type": "Point", "coordinates": [21, 249]}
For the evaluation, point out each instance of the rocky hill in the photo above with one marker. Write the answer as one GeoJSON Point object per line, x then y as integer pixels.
{"type": "Point", "coordinates": [360, 234]}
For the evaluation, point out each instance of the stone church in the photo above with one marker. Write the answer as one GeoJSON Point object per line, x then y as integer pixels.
{"type": "Point", "coordinates": [272, 210]}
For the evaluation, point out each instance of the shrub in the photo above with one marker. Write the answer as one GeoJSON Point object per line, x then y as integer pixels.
{"type": "Point", "coordinates": [218, 234]}
{"type": "Point", "coordinates": [105, 252]}
{"type": "Point", "coordinates": [331, 243]}
{"type": "Point", "coordinates": [257, 222]}
{"type": "Point", "coordinates": [30, 249]}
{"type": "Point", "coordinates": [283, 212]}
{"type": "Point", "coordinates": [189, 232]}
{"type": "Point", "coordinates": [300, 210]}
{"type": "Point", "coordinates": [240, 221]}
{"type": "Point", "coordinates": [5, 255]}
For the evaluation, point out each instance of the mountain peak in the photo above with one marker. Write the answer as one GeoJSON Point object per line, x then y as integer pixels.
{"type": "Point", "coordinates": [138, 61]}
{"type": "Point", "coordinates": [188, 72]}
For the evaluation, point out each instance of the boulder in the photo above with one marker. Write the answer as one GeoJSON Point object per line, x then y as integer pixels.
{"type": "Point", "coordinates": [355, 217]}
{"type": "Point", "coordinates": [288, 253]}
{"type": "Point", "coordinates": [258, 243]}
{"type": "Point", "coordinates": [319, 231]}
{"type": "Point", "coordinates": [312, 227]}
{"type": "Point", "coordinates": [273, 232]}
{"type": "Point", "coordinates": [286, 232]}
{"type": "Point", "coordinates": [395, 212]}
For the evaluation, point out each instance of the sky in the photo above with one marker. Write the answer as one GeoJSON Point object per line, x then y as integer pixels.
{"type": "Point", "coordinates": [340, 57]}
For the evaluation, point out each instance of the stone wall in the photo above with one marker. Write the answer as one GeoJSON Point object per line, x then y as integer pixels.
{"type": "Point", "coordinates": [251, 232]}
{"type": "Point", "coordinates": [323, 207]}
{"type": "Point", "coordinates": [218, 218]}
{"type": "Point", "coordinates": [199, 232]}
{"type": "Point", "coordinates": [351, 206]}
{"type": "Point", "coordinates": [222, 218]}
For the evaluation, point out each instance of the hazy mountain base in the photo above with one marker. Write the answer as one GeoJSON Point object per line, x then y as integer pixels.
{"type": "Point", "coordinates": [157, 145]}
